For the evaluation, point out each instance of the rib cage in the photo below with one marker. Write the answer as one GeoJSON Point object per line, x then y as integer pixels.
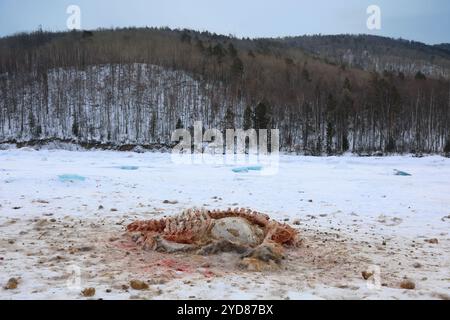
{"type": "Point", "coordinates": [193, 226]}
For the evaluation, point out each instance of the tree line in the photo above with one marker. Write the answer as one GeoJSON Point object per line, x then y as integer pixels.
{"type": "Point", "coordinates": [135, 86]}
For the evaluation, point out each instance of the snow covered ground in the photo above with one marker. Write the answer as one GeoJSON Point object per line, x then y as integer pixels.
{"type": "Point", "coordinates": [355, 215]}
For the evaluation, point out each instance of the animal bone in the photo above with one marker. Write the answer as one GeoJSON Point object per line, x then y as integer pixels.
{"type": "Point", "coordinates": [251, 234]}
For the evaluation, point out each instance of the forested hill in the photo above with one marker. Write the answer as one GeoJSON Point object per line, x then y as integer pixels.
{"type": "Point", "coordinates": [376, 53]}
{"type": "Point", "coordinates": [327, 95]}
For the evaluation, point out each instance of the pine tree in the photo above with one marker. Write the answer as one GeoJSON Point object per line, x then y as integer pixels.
{"type": "Point", "coordinates": [261, 118]}
{"type": "Point", "coordinates": [305, 74]}
{"type": "Point", "coordinates": [447, 147]}
{"type": "Point", "coordinates": [420, 76]}
{"type": "Point", "coordinates": [330, 134]}
{"type": "Point", "coordinates": [237, 68]}
{"type": "Point", "coordinates": [179, 124]}
{"type": "Point", "coordinates": [185, 37]}
{"type": "Point", "coordinates": [345, 143]}
{"type": "Point", "coordinates": [232, 50]}
{"type": "Point", "coordinates": [347, 85]}
{"type": "Point", "coordinates": [218, 51]}
{"type": "Point", "coordinates": [153, 124]}
{"type": "Point", "coordinates": [248, 115]}
{"type": "Point", "coordinates": [331, 109]}
{"type": "Point", "coordinates": [229, 119]}
{"type": "Point", "coordinates": [200, 45]}
{"type": "Point", "coordinates": [390, 146]}
{"type": "Point", "coordinates": [75, 129]}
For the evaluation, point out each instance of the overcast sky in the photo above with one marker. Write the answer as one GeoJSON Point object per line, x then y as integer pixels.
{"type": "Point", "coordinates": [422, 20]}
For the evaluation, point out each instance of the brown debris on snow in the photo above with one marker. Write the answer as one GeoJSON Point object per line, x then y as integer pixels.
{"type": "Point", "coordinates": [12, 284]}
{"type": "Point", "coordinates": [407, 284]}
{"type": "Point", "coordinates": [88, 292]}
{"type": "Point", "coordinates": [366, 275]}
{"type": "Point", "coordinates": [252, 234]}
{"type": "Point", "coordinates": [138, 285]}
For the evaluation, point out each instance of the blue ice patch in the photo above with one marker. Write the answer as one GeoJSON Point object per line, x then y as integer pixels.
{"type": "Point", "coordinates": [247, 169]}
{"type": "Point", "coordinates": [401, 173]}
{"type": "Point", "coordinates": [70, 178]}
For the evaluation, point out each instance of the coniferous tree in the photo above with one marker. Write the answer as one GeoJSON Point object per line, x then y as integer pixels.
{"type": "Point", "coordinates": [330, 115]}
{"type": "Point", "coordinates": [248, 116]}
{"type": "Point", "coordinates": [237, 67]}
{"type": "Point", "coordinates": [345, 143]}
{"type": "Point", "coordinates": [218, 51]}
{"type": "Point", "coordinates": [261, 117]}
{"type": "Point", "coordinates": [305, 74]}
{"type": "Point", "coordinates": [179, 124]}
{"type": "Point", "coordinates": [232, 50]}
{"type": "Point", "coordinates": [345, 107]}
{"type": "Point", "coordinates": [347, 85]}
{"type": "Point", "coordinates": [330, 134]}
{"type": "Point", "coordinates": [200, 46]}
{"type": "Point", "coordinates": [390, 146]}
{"type": "Point", "coordinates": [229, 119]}
{"type": "Point", "coordinates": [185, 37]}
{"type": "Point", "coordinates": [447, 147]}
{"type": "Point", "coordinates": [75, 128]}
{"type": "Point", "coordinates": [420, 76]}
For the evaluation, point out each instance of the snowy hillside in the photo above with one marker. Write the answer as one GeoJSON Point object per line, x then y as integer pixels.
{"type": "Point", "coordinates": [119, 104]}
{"type": "Point", "coordinates": [133, 86]}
